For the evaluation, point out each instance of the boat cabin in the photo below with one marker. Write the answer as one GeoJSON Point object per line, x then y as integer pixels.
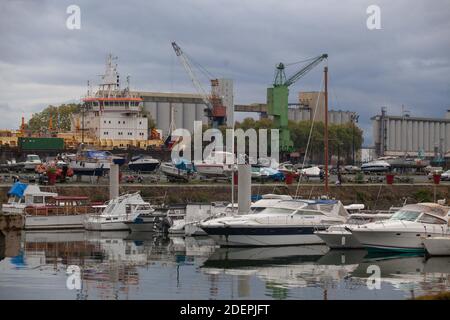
{"type": "Point", "coordinates": [62, 205]}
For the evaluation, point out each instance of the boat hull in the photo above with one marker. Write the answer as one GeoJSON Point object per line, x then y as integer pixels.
{"type": "Point", "coordinates": [143, 224]}
{"type": "Point", "coordinates": [339, 240]}
{"type": "Point", "coordinates": [212, 170]}
{"type": "Point", "coordinates": [143, 167]}
{"type": "Point", "coordinates": [437, 246]}
{"type": "Point", "coordinates": [173, 172]}
{"type": "Point", "coordinates": [400, 241]}
{"type": "Point", "coordinates": [282, 236]}
{"type": "Point", "coordinates": [12, 209]}
{"type": "Point", "coordinates": [106, 226]}
{"type": "Point", "coordinates": [54, 222]}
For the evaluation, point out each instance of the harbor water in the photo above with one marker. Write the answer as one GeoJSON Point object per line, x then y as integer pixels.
{"type": "Point", "coordinates": [123, 265]}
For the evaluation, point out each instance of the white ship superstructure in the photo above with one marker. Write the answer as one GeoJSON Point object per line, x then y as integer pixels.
{"type": "Point", "coordinates": [113, 115]}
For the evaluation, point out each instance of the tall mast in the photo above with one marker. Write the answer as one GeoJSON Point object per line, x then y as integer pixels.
{"type": "Point", "coordinates": [325, 71]}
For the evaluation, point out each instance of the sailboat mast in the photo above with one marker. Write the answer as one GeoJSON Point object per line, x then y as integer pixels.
{"type": "Point", "coordinates": [325, 71]}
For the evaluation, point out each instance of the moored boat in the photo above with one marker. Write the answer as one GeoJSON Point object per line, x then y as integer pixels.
{"type": "Point", "coordinates": [118, 211]}
{"type": "Point", "coordinates": [22, 195]}
{"type": "Point", "coordinates": [339, 237]}
{"type": "Point", "coordinates": [60, 212]}
{"type": "Point", "coordinates": [406, 229]}
{"type": "Point", "coordinates": [277, 222]}
{"type": "Point", "coordinates": [143, 164]}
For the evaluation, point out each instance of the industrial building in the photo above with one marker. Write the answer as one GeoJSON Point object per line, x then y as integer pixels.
{"type": "Point", "coordinates": [414, 136]}
{"type": "Point", "coordinates": [314, 102]}
{"type": "Point", "coordinates": [174, 110]}
{"type": "Point", "coordinates": [180, 110]}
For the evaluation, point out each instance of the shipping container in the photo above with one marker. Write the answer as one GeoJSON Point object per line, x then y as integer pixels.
{"type": "Point", "coordinates": [44, 144]}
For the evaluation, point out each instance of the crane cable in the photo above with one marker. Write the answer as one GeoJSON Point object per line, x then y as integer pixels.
{"type": "Point", "coordinates": [309, 140]}
{"type": "Point", "coordinates": [301, 61]}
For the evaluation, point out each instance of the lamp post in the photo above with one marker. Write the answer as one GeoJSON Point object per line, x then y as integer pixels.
{"type": "Point", "coordinates": [354, 118]}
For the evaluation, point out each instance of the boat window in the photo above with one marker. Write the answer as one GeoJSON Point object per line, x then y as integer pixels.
{"type": "Point", "coordinates": [309, 213]}
{"type": "Point", "coordinates": [405, 215]}
{"type": "Point", "coordinates": [358, 220]}
{"type": "Point", "coordinates": [128, 208]}
{"type": "Point", "coordinates": [426, 218]}
{"type": "Point", "coordinates": [277, 210]}
{"type": "Point", "coordinates": [38, 199]}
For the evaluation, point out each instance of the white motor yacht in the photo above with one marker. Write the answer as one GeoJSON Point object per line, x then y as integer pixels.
{"type": "Point", "coordinates": [125, 208]}
{"type": "Point", "coordinates": [339, 237]}
{"type": "Point", "coordinates": [405, 230]}
{"type": "Point", "coordinates": [277, 222]}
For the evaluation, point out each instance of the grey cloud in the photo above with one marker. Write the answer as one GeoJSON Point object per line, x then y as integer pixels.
{"type": "Point", "coordinates": [406, 62]}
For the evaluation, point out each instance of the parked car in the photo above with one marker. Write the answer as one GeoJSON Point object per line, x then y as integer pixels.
{"type": "Point", "coordinates": [445, 176]}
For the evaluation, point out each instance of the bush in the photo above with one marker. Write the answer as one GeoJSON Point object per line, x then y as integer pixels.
{"type": "Point", "coordinates": [423, 196]}
{"type": "Point", "coordinates": [359, 177]}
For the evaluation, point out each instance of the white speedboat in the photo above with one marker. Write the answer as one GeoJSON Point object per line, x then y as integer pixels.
{"type": "Point", "coordinates": [31, 162]}
{"type": "Point", "coordinates": [216, 165]}
{"type": "Point", "coordinates": [405, 230]}
{"type": "Point", "coordinates": [277, 222]}
{"type": "Point", "coordinates": [376, 166]}
{"type": "Point", "coordinates": [177, 171]}
{"type": "Point", "coordinates": [437, 246]}
{"type": "Point", "coordinates": [22, 195]}
{"type": "Point", "coordinates": [339, 237]}
{"type": "Point", "coordinates": [118, 211]}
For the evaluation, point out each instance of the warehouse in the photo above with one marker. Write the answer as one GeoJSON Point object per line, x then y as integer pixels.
{"type": "Point", "coordinates": [400, 135]}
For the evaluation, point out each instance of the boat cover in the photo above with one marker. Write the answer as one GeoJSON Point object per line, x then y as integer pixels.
{"type": "Point", "coordinates": [184, 164]}
{"type": "Point", "coordinates": [17, 189]}
{"type": "Point", "coordinates": [97, 154]}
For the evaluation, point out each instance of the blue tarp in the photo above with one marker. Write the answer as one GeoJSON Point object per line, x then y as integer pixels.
{"type": "Point", "coordinates": [17, 189]}
{"type": "Point", "coordinates": [97, 154]}
{"type": "Point", "coordinates": [184, 164]}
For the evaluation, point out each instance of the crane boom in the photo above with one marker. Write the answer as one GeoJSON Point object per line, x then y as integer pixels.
{"type": "Point", "coordinates": [187, 66]}
{"type": "Point", "coordinates": [306, 69]}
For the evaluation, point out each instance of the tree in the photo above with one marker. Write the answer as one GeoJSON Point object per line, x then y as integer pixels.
{"type": "Point", "coordinates": [60, 116]}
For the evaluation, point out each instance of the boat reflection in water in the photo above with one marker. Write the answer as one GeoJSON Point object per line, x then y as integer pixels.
{"type": "Point", "coordinates": [285, 270]}
{"type": "Point", "coordinates": [123, 265]}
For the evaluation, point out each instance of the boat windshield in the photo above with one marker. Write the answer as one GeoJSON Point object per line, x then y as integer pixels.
{"type": "Point", "coordinates": [405, 215]}
{"type": "Point", "coordinates": [33, 158]}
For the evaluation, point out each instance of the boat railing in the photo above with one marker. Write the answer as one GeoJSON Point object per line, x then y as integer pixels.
{"type": "Point", "coordinates": [58, 211]}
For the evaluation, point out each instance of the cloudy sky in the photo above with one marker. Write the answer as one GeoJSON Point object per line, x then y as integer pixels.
{"type": "Point", "coordinates": [406, 62]}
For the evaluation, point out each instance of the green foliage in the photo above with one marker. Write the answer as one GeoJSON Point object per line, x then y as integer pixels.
{"type": "Point", "coordinates": [151, 122]}
{"type": "Point", "coordinates": [60, 116]}
{"type": "Point", "coordinates": [423, 196]}
{"type": "Point", "coordinates": [359, 177]}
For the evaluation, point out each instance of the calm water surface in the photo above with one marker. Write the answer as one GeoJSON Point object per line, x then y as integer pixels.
{"type": "Point", "coordinates": [120, 265]}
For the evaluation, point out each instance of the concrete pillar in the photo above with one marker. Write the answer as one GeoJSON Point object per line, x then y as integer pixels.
{"type": "Point", "coordinates": [244, 188]}
{"type": "Point", "coordinates": [114, 181]}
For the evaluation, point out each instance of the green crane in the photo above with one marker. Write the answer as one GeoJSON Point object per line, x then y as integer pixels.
{"type": "Point", "coordinates": [277, 99]}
